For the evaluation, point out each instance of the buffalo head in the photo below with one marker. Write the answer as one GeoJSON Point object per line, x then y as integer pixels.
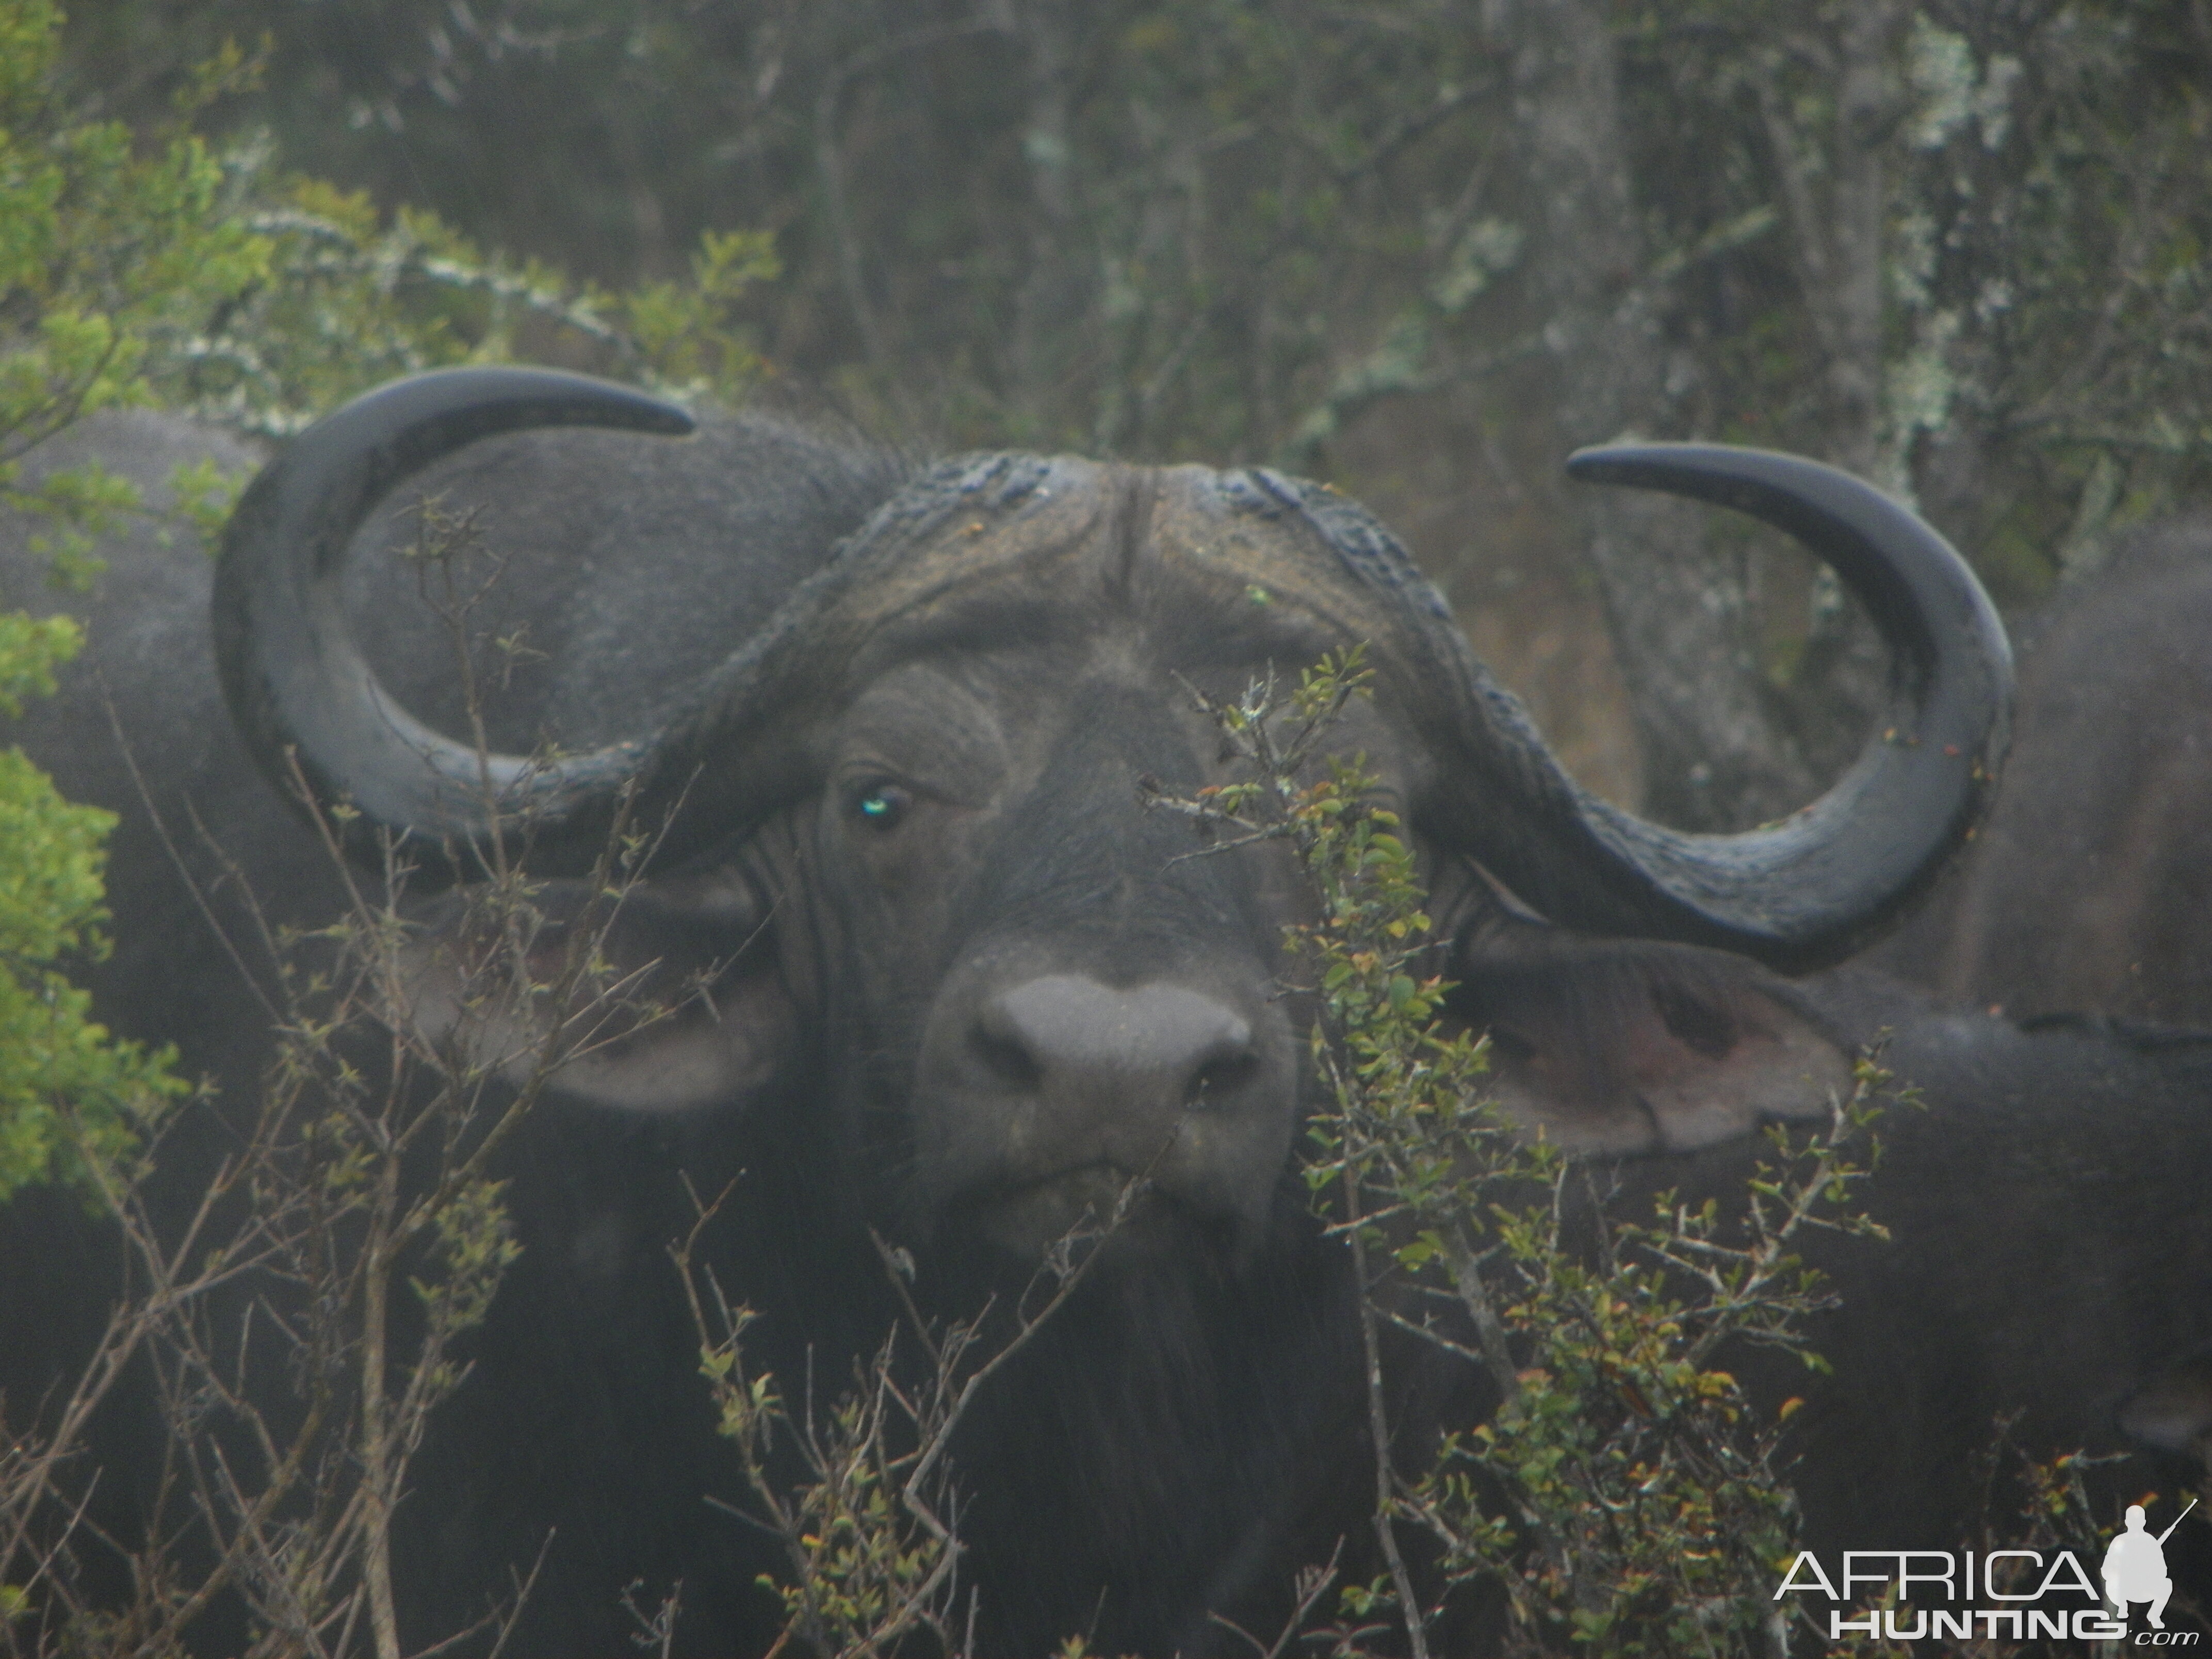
{"type": "Point", "coordinates": [900, 827]}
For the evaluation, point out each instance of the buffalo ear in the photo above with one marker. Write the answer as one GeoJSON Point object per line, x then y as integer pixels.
{"type": "Point", "coordinates": [665, 1000]}
{"type": "Point", "coordinates": [1611, 1045]}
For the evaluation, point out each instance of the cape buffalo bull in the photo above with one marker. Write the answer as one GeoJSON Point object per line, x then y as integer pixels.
{"type": "Point", "coordinates": [2090, 886]}
{"type": "Point", "coordinates": [887, 724]}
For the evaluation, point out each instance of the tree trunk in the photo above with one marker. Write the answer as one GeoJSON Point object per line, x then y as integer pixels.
{"type": "Point", "coordinates": [1050, 308]}
{"type": "Point", "coordinates": [1835, 191]}
{"type": "Point", "coordinates": [1715, 754]}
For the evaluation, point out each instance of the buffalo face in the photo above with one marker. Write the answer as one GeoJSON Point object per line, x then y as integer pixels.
{"type": "Point", "coordinates": [1038, 997]}
{"type": "Point", "coordinates": [1023, 989]}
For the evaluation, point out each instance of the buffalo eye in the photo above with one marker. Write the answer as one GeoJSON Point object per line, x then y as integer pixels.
{"type": "Point", "coordinates": [881, 805]}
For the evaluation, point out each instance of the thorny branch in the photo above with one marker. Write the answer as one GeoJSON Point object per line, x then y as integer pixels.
{"type": "Point", "coordinates": [297, 1373]}
{"type": "Point", "coordinates": [865, 1576]}
{"type": "Point", "coordinates": [1622, 1489]}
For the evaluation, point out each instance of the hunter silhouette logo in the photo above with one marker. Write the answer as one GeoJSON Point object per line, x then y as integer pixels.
{"type": "Point", "coordinates": [2135, 1566]}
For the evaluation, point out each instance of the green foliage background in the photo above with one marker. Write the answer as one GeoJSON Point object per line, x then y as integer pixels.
{"type": "Point", "coordinates": [100, 235]}
{"type": "Point", "coordinates": [1236, 228]}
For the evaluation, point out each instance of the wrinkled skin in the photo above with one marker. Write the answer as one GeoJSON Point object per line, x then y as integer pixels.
{"type": "Point", "coordinates": [962, 987]}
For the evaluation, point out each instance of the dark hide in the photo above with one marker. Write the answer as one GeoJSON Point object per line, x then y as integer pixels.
{"type": "Point", "coordinates": [973, 914]}
{"type": "Point", "coordinates": [2090, 885]}
{"type": "Point", "coordinates": [2050, 1250]}
{"type": "Point", "coordinates": [2081, 1294]}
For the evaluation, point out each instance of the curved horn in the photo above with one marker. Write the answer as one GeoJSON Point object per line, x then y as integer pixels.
{"type": "Point", "coordinates": [1809, 890]}
{"type": "Point", "coordinates": [296, 679]}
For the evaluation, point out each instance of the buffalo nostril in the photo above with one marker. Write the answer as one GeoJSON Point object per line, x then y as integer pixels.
{"type": "Point", "coordinates": [1217, 1078]}
{"type": "Point", "coordinates": [1005, 1058]}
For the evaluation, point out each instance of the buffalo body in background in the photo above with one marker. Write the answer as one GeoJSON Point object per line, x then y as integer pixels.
{"type": "Point", "coordinates": [892, 720]}
{"type": "Point", "coordinates": [2089, 886]}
